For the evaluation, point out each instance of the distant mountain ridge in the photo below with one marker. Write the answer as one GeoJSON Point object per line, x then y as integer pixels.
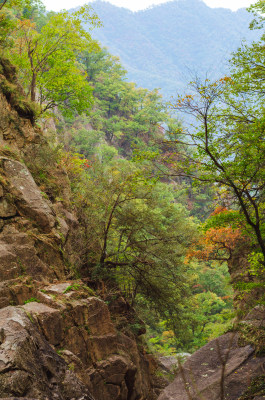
{"type": "Point", "coordinates": [158, 46]}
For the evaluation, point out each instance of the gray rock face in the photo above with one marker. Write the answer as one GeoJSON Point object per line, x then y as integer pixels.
{"type": "Point", "coordinates": [7, 209]}
{"type": "Point", "coordinates": [47, 319]}
{"type": "Point", "coordinates": [200, 376]}
{"type": "Point", "coordinates": [29, 200]}
{"type": "Point", "coordinates": [256, 317]}
{"type": "Point", "coordinates": [170, 363]}
{"type": "Point", "coordinates": [18, 255]}
{"type": "Point", "coordinates": [29, 367]}
{"type": "Point", "coordinates": [118, 378]}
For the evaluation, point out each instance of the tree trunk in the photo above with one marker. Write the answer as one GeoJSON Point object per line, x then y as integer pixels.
{"type": "Point", "coordinates": [33, 88]}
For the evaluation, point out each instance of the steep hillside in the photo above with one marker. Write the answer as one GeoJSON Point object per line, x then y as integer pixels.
{"type": "Point", "coordinates": [94, 225]}
{"type": "Point", "coordinates": [58, 338]}
{"type": "Point", "coordinates": [159, 46]}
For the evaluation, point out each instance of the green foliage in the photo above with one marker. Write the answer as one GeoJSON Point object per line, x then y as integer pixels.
{"type": "Point", "coordinates": [12, 12]}
{"type": "Point", "coordinates": [213, 277]}
{"type": "Point", "coordinates": [123, 115]}
{"type": "Point", "coordinates": [161, 340]}
{"type": "Point", "coordinates": [130, 219]}
{"type": "Point", "coordinates": [135, 231]}
{"type": "Point", "coordinates": [135, 234]}
{"type": "Point", "coordinates": [74, 286]}
{"type": "Point", "coordinates": [229, 148]}
{"type": "Point", "coordinates": [227, 138]}
{"type": "Point", "coordinates": [79, 287]}
{"type": "Point", "coordinates": [257, 9]}
{"type": "Point", "coordinates": [255, 390]}
{"type": "Point", "coordinates": [31, 300]}
{"type": "Point", "coordinates": [211, 303]}
{"type": "Point", "coordinates": [47, 59]}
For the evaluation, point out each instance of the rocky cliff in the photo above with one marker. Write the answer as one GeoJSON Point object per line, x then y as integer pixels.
{"type": "Point", "coordinates": [58, 338]}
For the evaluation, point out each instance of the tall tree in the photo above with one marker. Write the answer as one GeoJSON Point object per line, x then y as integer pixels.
{"type": "Point", "coordinates": [48, 60]}
{"type": "Point", "coordinates": [229, 149]}
{"type": "Point", "coordinates": [136, 233]}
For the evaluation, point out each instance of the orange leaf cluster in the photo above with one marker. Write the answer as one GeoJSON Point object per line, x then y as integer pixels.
{"type": "Point", "coordinates": [225, 79]}
{"type": "Point", "coordinates": [219, 210]}
{"type": "Point", "coordinates": [216, 244]}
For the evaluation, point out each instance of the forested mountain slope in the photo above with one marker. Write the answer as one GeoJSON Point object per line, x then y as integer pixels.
{"type": "Point", "coordinates": [118, 239]}
{"type": "Point", "coordinates": [158, 46]}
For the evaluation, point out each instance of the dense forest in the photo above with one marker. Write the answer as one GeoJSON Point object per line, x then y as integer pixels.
{"type": "Point", "coordinates": [172, 214]}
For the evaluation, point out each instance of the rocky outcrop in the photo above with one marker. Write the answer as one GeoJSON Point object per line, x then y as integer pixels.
{"type": "Point", "coordinates": [256, 317]}
{"type": "Point", "coordinates": [29, 366]}
{"type": "Point", "coordinates": [19, 256]}
{"type": "Point", "coordinates": [170, 363]}
{"type": "Point", "coordinates": [28, 199]}
{"type": "Point", "coordinates": [79, 327]}
{"type": "Point", "coordinates": [107, 361]}
{"type": "Point", "coordinates": [222, 369]}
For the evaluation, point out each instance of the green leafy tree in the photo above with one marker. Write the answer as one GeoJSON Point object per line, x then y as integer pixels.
{"type": "Point", "coordinates": [48, 60]}
{"type": "Point", "coordinates": [229, 140]}
{"type": "Point", "coordinates": [229, 147]}
{"type": "Point", "coordinates": [137, 235]}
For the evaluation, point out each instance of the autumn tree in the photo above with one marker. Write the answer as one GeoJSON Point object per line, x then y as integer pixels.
{"type": "Point", "coordinates": [228, 147]}
{"type": "Point", "coordinates": [228, 134]}
{"type": "Point", "coordinates": [221, 234]}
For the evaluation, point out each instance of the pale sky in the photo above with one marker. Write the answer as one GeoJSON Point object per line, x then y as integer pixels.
{"type": "Point", "coordinates": [136, 5]}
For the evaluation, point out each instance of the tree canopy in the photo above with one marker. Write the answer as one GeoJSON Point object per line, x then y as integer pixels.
{"type": "Point", "coordinates": [48, 58]}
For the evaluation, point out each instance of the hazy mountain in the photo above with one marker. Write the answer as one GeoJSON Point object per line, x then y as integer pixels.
{"type": "Point", "coordinates": [159, 46]}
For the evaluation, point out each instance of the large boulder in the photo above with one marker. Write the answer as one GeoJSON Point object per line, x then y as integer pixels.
{"type": "Point", "coordinates": [19, 256]}
{"type": "Point", "coordinates": [28, 197]}
{"type": "Point", "coordinates": [29, 367]}
{"type": "Point", "coordinates": [48, 321]}
{"type": "Point", "coordinates": [170, 363]}
{"type": "Point", "coordinates": [107, 362]}
{"type": "Point", "coordinates": [221, 365]}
